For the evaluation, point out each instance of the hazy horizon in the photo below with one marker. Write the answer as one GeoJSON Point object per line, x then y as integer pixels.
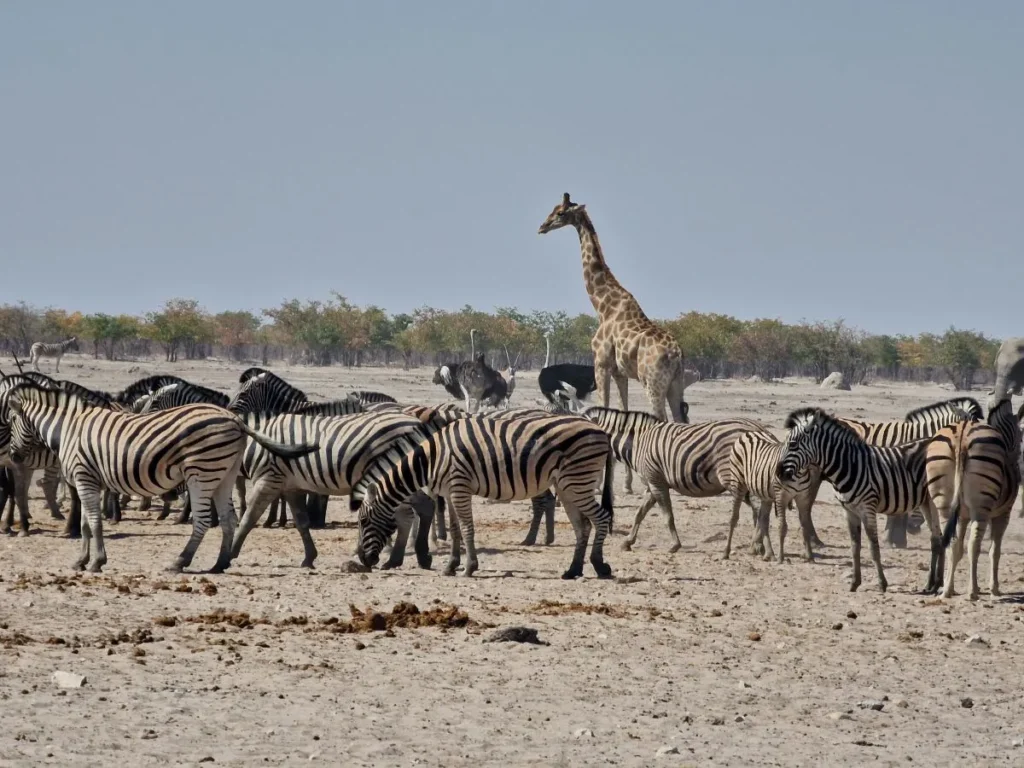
{"type": "Point", "coordinates": [854, 160]}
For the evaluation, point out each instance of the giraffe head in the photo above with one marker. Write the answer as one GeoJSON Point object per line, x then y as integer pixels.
{"type": "Point", "coordinates": [563, 214]}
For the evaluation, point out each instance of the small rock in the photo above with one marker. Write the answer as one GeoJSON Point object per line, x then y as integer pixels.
{"type": "Point", "coordinates": [515, 635]}
{"type": "Point", "coordinates": [744, 684]}
{"type": "Point", "coordinates": [877, 706]}
{"type": "Point", "coordinates": [1017, 743]}
{"type": "Point", "coordinates": [68, 679]}
{"type": "Point", "coordinates": [851, 614]}
{"type": "Point", "coordinates": [207, 759]}
{"type": "Point", "coordinates": [754, 636]}
{"type": "Point", "coordinates": [271, 732]}
{"type": "Point", "coordinates": [716, 720]}
{"type": "Point", "coordinates": [669, 750]}
{"type": "Point", "coordinates": [583, 733]}
{"type": "Point", "coordinates": [147, 733]}
{"type": "Point", "coordinates": [838, 716]}
{"type": "Point", "coordinates": [359, 646]}
{"type": "Point", "coordinates": [838, 625]}
{"type": "Point", "coordinates": [902, 703]}
{"type": "Point", "coordinates": [715, 612]}
{"type": "Point", "coordinates": [739, 719]}
{"type": "Point", "coordinates": [352, 566]}
{"type": "Point", "coordinates": [975, 640]}
{"type": "Point", "coordinates": [967, 702]}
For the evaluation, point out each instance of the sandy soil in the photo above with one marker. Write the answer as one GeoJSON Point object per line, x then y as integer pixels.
{"type": "Point", "coordinates": [736, 662]}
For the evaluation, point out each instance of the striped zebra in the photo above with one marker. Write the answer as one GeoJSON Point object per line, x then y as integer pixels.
{"type": "Point", "coordinates": [144, 455]}
{"type": "Point", "coordinates": [973, 476]}
{"type": "Point", "coordinates": [869, 480]}
{"type": "Point", "coordinates": [349, 449]}
{"type": "Point", "coordinates": [141, 388]}
{"type": "Point", "coordinates": [501, 460]}
{"type": "Point", "coordinates": [691, 459]}
{"type": "Point", "coordinates": [56, 350]}
{"type": "Point", "coordinates": [753, 461]}
{"type": "Point", "coordinates": [371, 398]}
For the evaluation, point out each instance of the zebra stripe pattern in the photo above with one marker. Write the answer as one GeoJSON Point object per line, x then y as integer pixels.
{"type": "Point", "coordinates": [691, 459]}
{"type": "Point", "coordinates": [973, 476]}
{"type": "Point", "coordinates": [367, 397]}
{"type": "Point", "coordinates": [142, 455]}
{"type": "Point", "coordinates": [57, 349]}
{"type": "Point", "coordinates": [869, 480]}
{"type": "Point", "coordinates": [502, 460]}
{"type": "Point", "coordinates": [348, 449]}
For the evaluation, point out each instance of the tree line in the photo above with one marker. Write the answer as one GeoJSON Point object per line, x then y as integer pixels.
{"type": "Point", "coordinates": [336, 331]}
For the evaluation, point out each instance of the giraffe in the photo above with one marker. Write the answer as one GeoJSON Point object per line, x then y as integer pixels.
{"type": "Point", "coordinates": [627, 344]}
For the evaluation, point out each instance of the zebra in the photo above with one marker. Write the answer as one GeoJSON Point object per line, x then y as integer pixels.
{"type": "Point", "coordinates": [147, 386]}
{"type": "Point", "coordinates": [869, 480]}
{"type": "Point", "coordinates": [57, 349]}
{"type": "Point", "coordinates": [349, 448]}
{"type": "Point", "coordinates": [371, 398]}
{"type": "Point", "coordinates": [752, 463]}
{"type": "Point", "coordinates": [692, 459]}
{"type": "Point", "coordinates": [973, 477]}
{"type": "Point", "coordinates": [498, 459]}
{"type": "Point", "coordinates": [143, 455]}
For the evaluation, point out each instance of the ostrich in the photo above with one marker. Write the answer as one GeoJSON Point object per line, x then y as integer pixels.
{"type": "Point", "coordinates": [511, 381]}
{"type": "Point", "coordinates": [565, 383]}
{"type": "Point", "coordinates": [472, 379]}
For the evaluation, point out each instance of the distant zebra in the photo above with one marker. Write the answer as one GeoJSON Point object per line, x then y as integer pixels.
{"type": "Point", "coordinates": [869, 480]}
{"type": "Point", "coordinates": [753, 462]}
{"type": "Point", "coordinates": [973, 477]}
{"type": "Point", "coordinates": [349, 448]}
{"type": "Point", "coordinates": [57, 349]}
{"type": "Point", "coordinates": [691, 459]}
{"type": "Point", "coordinates": [502, 460]}
{"type": "Point", "coordinates": [143, 455]}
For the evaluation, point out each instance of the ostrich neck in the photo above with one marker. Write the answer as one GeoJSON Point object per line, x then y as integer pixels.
{"type": "Point", "coordinates": [547, 352]}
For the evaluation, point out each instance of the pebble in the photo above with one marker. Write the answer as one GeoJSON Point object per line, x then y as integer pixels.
{"type": "Point", "coordinates": [967, 702]}
{"type": "Point", "coordinates": [1017, 743]}
{"type": "Point", "coordinates": [147, 733]}
{"type": "Point", "coordinates": [870, 704]}
{"type": "Point", "coordinates": [68, 679]}
{"type": "Point", "coordinates": [838, 625]}
{"type": "Point", "coordinates": [669, 750]}
{"type": "Point", "coordinates": [902, 703]}
{"type": "Point", "coordinates": [975, 640]}
{"type": "Point", "coordinates": [739, 719]}
{"type": "Point", "coordinates": [583, 733]}
{"type": "Point", "coordinates": [716, 720]}
{"type": "Point", "coordinates": [744, 684]}
{"type": "Point", "coordinates": [839, 716]}
{"type": "Point", "coordinates": [754, 636]}
{"type": "Point", "coordinates": [851, 614]}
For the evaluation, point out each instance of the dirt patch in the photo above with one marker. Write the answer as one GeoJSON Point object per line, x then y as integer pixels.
{"type": "Point", "coordinates": [555, 608]}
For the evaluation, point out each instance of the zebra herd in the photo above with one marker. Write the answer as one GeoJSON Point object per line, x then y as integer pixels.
{"type": "Point", "coordinates": [404, 466]}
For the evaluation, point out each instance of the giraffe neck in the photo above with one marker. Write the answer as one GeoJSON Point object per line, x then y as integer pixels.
{"type": "Point", "coordinates": [596, 275]}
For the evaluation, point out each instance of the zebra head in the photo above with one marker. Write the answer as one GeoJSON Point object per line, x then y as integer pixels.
{"type": "Point", "coordinates": [25, 434]}
{"type": "Point", "coordinates": [376, 524]}
{"type": "Point", "coordinates": [803, 445]}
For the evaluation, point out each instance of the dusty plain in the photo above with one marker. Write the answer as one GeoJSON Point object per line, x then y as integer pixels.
{"type": "Point", "coordinates": [683, 659]}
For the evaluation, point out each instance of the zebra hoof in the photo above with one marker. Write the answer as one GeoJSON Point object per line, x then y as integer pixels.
{"type": "Point", "coordinates": [571, 574]}
{"type": "Point", "coordinates": [56, 516]}
{"type": "Point", "coordinates": [78, 565]}
{"type": "Point", "coordinates": [627, 546]}
{"type": "Point", "coordinates": [23, 533]}
{"type": "Point", "coordinates": [175, 568]}
{"type": "Point", "coordinates": [96, 567]}
{"type": "Point", "coordinates": [470, 569]}
{"type": "Point", "coordinates": [309, 564]}
{"type": "Point", "coordinates": [425, 562]}
{"type": "Point", "coordinates": [220, 567]}
{"type": "Point", "coordinates": [603, 570]}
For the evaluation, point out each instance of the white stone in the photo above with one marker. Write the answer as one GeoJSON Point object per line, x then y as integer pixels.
{"type": "Point", "coordinates": [68, 679]}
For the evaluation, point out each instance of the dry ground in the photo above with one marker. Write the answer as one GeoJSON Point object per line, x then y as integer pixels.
{"type": "Point", "coordinates": [737, 663]}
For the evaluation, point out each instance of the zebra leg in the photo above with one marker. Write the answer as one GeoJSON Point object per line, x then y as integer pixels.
{"type": "Point", "coordinates": [737, 502]}
{"type": "Point", "coordinates": [935, 564]}
{"type": "Point", "coordinates": [803, 509]}
{"type": "Point", "coordinates": [264, 491]}
{"type": "Point", "coordinates": [166, 509]}
{"type": "Point", "coordinates": [956, 554]}
{"type": "Point", "coordinates": [186, 510]}
{"type": "Point", "coordinates": [661, 493]}
{"type": "Point", "coordinates": [86, 535]}
{"type": "Point", "coordinates": [240, 487]}
{"type": "Point", "coordinates": [92, 526]}
{"type": "Point", "coordinates": [22, 479]}
{"type": "Point", "coordinates": [440, 528]}
{"type": "Point", "coordinates": [978, 528]}
{"type": "Point", "coordinates": [600, 519]}
{"type": "Point", "coordinates": [275, 507]}
{"type": "Point", "coordinates": [295, 501]}
{"type": "Point", "coordinates": [622, 384]}
{"type": "Point", "coordinates": [854, 524]}
{"type": "Point", "coordinates": [201, 501]}
{"type": "Point", "coordinates": [995, 551]}
{"type": "Point", "coordinates": [226, 512]}
{"type": "Point", "coordinates": [403, 520]}
{"type": "Point", "coordinates": [426, 509]}
{"type": "Point", "coordinates": [645, 507]}
{"type": "Point", "coordinates": [455, 556]}
{"type": "Point", "coordinates": [780, 511]}
{"type": "Point", "coordinates": [871, 528]}
{"type": "Point", "coordinates": [50, 481]}
{"type": "Point", "coordinates": [539, 505]}
{"type": "Point", "coordinates": [582, 534]}
{"type": "Point", "coordinates": [56, 368]}
{"type": "Point", "coordinates": [462, 506]}
{"type": "Point", "coordinates": [73, 525]}
{"type": "Point", "coordinates": [145, 503]}
{"type": "Point", "coordinates": [896, 531]}
{"type": "Point", "coordinates": [6, 495]}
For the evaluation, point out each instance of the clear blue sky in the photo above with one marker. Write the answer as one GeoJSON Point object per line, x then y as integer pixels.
{"type": "Point", "coordinates": [817, 160]}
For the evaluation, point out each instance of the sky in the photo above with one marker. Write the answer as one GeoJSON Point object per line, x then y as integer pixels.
{"type": "Point", "coordinates": [805, 160]}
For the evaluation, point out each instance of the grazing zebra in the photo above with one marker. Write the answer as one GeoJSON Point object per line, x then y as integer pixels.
{"type": "Point", "coordinates": [144, 455]}
{"type": "Point", "coordinates": [57, 349]}
{"type": "Point", "coordinates": [869, 480]}
{"type": "Point", "coordinates": [140, 388]}
{"type": "Point", "coordinates": [691, 459]}
{"type": "Point", "coordinates": [753, 461]}
{"type": "Point", "coordinates": [498, 459]}
{"type": "Point", "coordinates": [349, 448]}
{"type": "Point", "coordinates": [973, 477]}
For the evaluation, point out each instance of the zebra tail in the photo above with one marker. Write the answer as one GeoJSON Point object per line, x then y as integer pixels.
{"type": "Point", "coordinates": [606, 492]}
{"type": "Point", "coordinates": [960, 460]}
{"type": "Point", "coordinates": [281, 450]}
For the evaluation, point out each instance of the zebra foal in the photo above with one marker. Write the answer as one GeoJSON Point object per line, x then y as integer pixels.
{"type": "Point", "coordinates": [973, 477]}
{"type": "Point", "coordinates": [501, 460]}
{"type": "Point", "coordinates": [869, 480]}
{"type": "Point", "coordinates": [56, 350]}
{"type": "Point", "coordinates": [145, 455]}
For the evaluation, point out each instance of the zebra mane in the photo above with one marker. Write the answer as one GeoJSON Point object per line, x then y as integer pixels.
{"type": "Point", "coordinates": [137, 389]}
{"type": "Point", "coordinates": [436, 417]}
{"type": "Point", "coordinates": [28, 392]}
{"type": "Point", "coordinates": [403, 453]}
{"type": "Point", "coordinates": [614, 420]}
{"type": "Point", "coordinates": [343, 406]}
{"type": "Point", "coordinates": [928, 414]}
{"type": "Point", "coordinates": [91, 397]}
{"type": "Point", "coordinates": [367, 396]}
{"type": "Point", "coordinates": [261, 381]}
{"type": "Point", "coordinates": [252, 373]}
{"type": "Point", "coordinates": [803, 418]}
